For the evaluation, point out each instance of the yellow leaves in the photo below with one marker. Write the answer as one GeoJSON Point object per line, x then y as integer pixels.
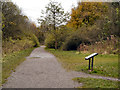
{"type": "Point", "coordinates": [12, 23]}
{"type": "Point", "coordinates": [74, 22]}
{"type": "Point", "coordinates": [77, 19]}
{"type": "Point", "coordinates": [80, 7]}
{"type": "Point", "coordinates": [3, 19]}
{"type": "Point", "coordinates": [117, 10]}
{"type": "Point", "coordinates": [73, 13]}
{"type": "Point", "coordinates": [86, 13]}
{"type": "Point", "coordinates": [2, 25]}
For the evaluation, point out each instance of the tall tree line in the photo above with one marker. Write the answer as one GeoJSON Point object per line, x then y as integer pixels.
{"type": "Point", "coordinates": [89, 22]}
{"type": "Point", "coordinates": [18, 32]}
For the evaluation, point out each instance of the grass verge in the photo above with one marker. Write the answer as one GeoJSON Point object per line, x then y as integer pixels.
{"type": "Point", "coordinates": [105, 65]}
{"type": "Point", "coordinates": [96, 83]}
{"type": "Point", "coordinates": [11, 61]}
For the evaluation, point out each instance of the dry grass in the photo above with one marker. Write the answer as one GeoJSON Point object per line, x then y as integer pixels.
{"type": "Point", "coordinates": [109, 46]}
{"type": "Point", "coordinates": [15, 45]}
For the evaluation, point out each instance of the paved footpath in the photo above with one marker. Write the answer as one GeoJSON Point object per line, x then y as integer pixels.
{"type": "Point", "coordinates": [42, 70]}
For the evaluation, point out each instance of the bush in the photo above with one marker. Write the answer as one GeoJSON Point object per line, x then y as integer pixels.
{"type": "Point", "coordinates": [35, 41]}
{"type": "Point", "coordinates": [58, 36]}
{"type": "Point", "coordinates": [109, 46]}
{"type": "Point", "coordinates": [10, 45]}
{"type": "Point", "coordinates": [73, 41]}
{"type": "Point", "coordinates": [16, 45]}
{"type": "Point", "coordinates": [50, 41]}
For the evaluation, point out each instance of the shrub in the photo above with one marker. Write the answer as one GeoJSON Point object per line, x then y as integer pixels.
{"type": "Point", "coordinates": [109, 46]}
{"type": "Point", "coordinates": [50, 41]}
{"type": "Point", "coordinates": [35, 41]}
{"type": "Point", "coordinates": [73, 41]}
{"type": "Point", "coordinates": [16, 45]}
{"type": "Point", "coordinates": [58, 36]}
{"type": "Point", "coordinates": [10, 45]}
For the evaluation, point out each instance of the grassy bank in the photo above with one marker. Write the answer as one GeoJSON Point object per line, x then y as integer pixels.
{"type": "Point", "coordinates": [96, 83]}
{"type": "Point", "coordinates": [11, 61]}
{"type": "Point", "coordinates": [105, 65]}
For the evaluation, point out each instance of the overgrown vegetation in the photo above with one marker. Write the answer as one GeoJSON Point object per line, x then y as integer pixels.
{"type": "Point", "coordinates": [109, 46]}
{"type": "Point", "coordinates": [18, 32]}
{"type": "Point", "coordinates": [105, 65]}
{"type": "Point", "coordinates": [90, 24]}
{"type": "Point", "coordinates": [96, 83]}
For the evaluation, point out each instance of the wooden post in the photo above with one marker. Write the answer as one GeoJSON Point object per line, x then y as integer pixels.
{"type": "Point", "coordinates": [92, 64]}
{"type": "Point", "coordinates": [89, 64]}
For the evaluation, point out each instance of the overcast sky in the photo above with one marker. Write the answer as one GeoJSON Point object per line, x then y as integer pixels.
{"type": "Point", "coordinates": [32, 8]}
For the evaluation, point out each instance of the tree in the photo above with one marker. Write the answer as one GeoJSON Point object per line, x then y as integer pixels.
{"type": "Point", "coordinates": [11, 14]}
{"type": "Point", "coordinates": [14, 23]}
{"type": "Point", "coordinates": [53, 17]}
{"type": "Point", "coordinates": [86, 13]}
{"type": "Point", "coordinates": [114, 18]}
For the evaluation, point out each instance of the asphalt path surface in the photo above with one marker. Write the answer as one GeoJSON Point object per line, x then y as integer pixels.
{"type": "Point", "coordinates": [40, 70]}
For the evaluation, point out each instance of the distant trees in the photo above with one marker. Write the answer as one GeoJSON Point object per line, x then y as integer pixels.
{"type": "Point", "coordinates": [53, 17]}
{"type": "Point", "coordinates": [86, 14]}
{"type": "Point", "coordinates": [10, 14]}
{"type": "Point", "coordinates": [15, 24]}
{"type": "Point", "coordinates": [89, 23]}
{"type": "Point", "coordinates": [100, 17]}
{"type": "Point", "coordinates": [113, 19]}
{"type": "Point", "coordinates": [17, 31]}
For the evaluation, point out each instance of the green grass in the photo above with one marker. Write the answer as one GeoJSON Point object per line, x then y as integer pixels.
{"type": "Point", "coordinates": [105, 65]}
{"type": "Point", "coordinates": [11, 61]}
{"type": "Point", "coordinates": [96, 83]}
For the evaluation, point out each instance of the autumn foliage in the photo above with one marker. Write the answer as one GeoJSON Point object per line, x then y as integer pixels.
{"type": "Point", "coordinates": [86, 14]}
{"type": "Point", "coordinates": [90, 22]}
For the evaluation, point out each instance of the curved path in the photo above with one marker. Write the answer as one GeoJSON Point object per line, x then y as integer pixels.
{"type": "Point", "coordinates": [42, 70]}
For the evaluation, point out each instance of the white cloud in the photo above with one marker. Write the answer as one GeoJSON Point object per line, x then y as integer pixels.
{"type": "Point", "coordinates": [32, 8]}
